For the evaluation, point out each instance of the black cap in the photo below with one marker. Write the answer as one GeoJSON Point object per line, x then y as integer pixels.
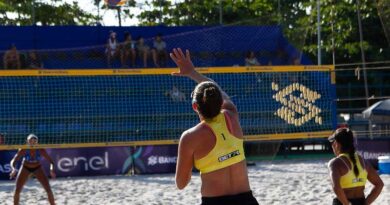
{"type": "Point", "coordinates": [342, 135]}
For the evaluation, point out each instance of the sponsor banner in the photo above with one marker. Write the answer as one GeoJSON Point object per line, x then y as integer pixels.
{"type": "Point", "coordinates": [78, 161]}
{"type": "Point", "coordinates": [90, 161]}
{"type": "Point", "coordinates": [103, 160]}
{"type": "Point", "coordinates": [5, 159]}
{"type": "Point", "coordinates": [155, 159]}
{"type": "Point", "coordinates": [370, 150]}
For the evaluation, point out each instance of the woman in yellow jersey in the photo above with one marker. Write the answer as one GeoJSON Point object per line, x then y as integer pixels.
{"type": "Point", "coordinates": [349, 172]}
{"type": "Point", "coordinates": [215, 145]}
{"type": "Point", "coordinates": [31, 165]}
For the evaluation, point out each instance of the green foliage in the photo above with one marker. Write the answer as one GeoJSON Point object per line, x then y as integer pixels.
{"type": "Point", "coordinates": [342, 15]}
{"type": "Point", "coordinates": [195, 12]}
{"type": "Point", "coordinates": [54, 12]}
{"type": "Point", "coordinates": [298, 18]}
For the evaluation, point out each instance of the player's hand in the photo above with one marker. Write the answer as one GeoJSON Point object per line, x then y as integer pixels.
{"type": "Point", "coordinates": [52, 174]}
{"type": "Point", "coordinates": [13, 173]}
{"type": "Point", "coordinates": [183, 61]}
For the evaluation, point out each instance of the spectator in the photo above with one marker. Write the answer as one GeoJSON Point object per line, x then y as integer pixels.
{"type": "Point", "coordinates": [295, 59]}
{"type": "Point", "coordinates": [11, 58]}
{"type": "Point", "coordinates": [128, 50]}
{"type": "Point", "coordinates": [159, 53]}
{"type": "Point", "coordinates": [279, 58]}
{"type": "Point", "coordinates": [111, 48]}
{"type": "Point", "coordinates": [34, 62]}
{"type": "Point", "coordinates": [250, 59]}
{"type": "Point", "coordinates": [143, 51]}
{"type": "Point", "coordinates": [176, 95]}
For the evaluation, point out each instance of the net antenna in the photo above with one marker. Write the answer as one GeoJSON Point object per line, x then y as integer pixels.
{"type": "Point", "coordinates": [116, 5]}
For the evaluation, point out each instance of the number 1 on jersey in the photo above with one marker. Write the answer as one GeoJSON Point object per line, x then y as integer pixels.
{"type": "Point", "coordinates": [223, 136]}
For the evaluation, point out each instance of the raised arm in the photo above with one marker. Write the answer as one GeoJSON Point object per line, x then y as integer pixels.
{"type": "Point", "coordinates": [187, 69]}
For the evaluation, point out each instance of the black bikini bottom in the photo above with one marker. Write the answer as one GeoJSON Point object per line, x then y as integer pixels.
{"type": "Point", "coordinates": [245, 198]}
{"type": "Point", "coordinates": [32, 170]}
{"type": "Point", "coordinates": [358, 201]}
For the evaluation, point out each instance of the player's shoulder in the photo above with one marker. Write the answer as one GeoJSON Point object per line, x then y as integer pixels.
{"type": "Point", "coordinates": [21, 151]}
{"type": "Point", "coordinates": [192, 134]}
{"type": "Point", "coordinates": [334, 162]}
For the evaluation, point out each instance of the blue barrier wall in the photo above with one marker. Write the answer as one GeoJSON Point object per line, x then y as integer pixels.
{"type": "Point", "coordinates": [54, 37]}
{"type": "Point", "coordinates": [212, 46]}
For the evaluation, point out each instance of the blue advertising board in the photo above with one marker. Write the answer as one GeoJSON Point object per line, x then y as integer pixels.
{"type": "Point", "coordinates": [103, 161]}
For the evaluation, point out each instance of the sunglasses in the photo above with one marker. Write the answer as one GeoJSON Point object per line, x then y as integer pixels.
{"type": "Point", "coordinates": [331, 139]}
{"type": "Point", "coordinates": [192, 97]}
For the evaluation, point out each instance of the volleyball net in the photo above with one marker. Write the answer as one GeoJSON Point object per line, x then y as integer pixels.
{"type": "Point", "coordinates": [90, 108]}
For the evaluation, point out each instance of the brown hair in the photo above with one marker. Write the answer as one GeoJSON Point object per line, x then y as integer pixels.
{"type": "Point", "coordinates": [209, 99]}
{"type": "Point", "coordinates": [345, 138]}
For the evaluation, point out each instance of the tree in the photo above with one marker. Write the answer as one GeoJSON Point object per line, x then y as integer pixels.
{"type": "Point", "coordinates": [339, 22]}
{"type": "Point", "coordinates": [194, 12]}
{"type": "Point", "coordinates": [55, 12]}
{"type": "Point", "coordinates": [298, 19]}
{"type": "Point", "coordinates": [384, 14]}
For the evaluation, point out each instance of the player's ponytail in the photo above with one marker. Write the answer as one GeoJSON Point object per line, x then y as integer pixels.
{"type": "Point", "coordinates": [209, 99]}
{"type": "Point", "coordinates": [344, 137]}
{"type": "Point", "coordinates": [352, 156]}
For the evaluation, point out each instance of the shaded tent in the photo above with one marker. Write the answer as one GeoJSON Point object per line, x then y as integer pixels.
{"type": "Point", "coordinates": [381, 108]}
{"type": "Point", "coordinates": [379, 115]}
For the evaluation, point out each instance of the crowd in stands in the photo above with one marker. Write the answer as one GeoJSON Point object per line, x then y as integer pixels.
{"type": "Point", "coordinates": [137, 53]}
{"type": "Point", "coordinates": [130, 50]}
{"type": "Point", "coordinates": [13, 60]}
{"type": "Point", "coordinates": [279, 58]}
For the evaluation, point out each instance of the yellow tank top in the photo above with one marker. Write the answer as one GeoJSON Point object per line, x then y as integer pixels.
{"type": "Point", "coordinates": [349, 180]}
{"type": "Point", "coordinates": [228, 149]}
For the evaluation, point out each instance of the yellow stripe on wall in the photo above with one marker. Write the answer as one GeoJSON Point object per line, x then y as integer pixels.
{"type": "Point", "coordinates": [164, 71]}
{"type": "Point", "coordinates": [264, 137]}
